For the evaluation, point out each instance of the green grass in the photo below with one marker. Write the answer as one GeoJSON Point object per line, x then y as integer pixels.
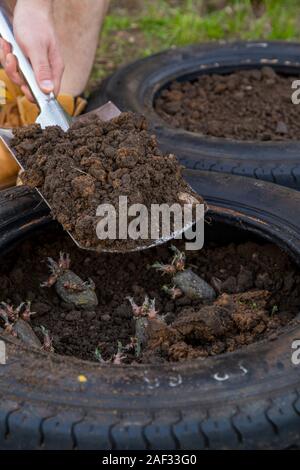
{"type": "Point", "coordinates": [156, 25]}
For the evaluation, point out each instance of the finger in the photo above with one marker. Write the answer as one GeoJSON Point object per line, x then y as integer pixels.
{"type": "Point", "coordinates": [42, 68]}
{"type": "Point", "coordinates": [6, 47]}
{"type": "Point", "coordinates": [57, 66]}
{"type": "Point", "coordinates": [4, 50]}
{"type": "Point", "coordinates": [26, 91]}
{"type": "Point", "coordinates": [2, 56]}
{"type": "Point", "coordinates": [9, 62]}
{"type": "Point", "coordinates": [11, 68]}
{"type": "Point", "coordinates": [10, 65]}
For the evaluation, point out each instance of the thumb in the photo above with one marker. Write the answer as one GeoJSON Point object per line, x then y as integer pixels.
{"type": "Point", "coordinates": [42, 69]}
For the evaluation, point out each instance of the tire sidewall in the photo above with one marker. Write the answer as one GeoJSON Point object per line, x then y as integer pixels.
{"type": "Point", "coordinates": [172, 397]}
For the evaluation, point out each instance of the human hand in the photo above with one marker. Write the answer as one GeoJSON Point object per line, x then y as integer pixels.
{"type": "Point", "coordinates": [34, 31]}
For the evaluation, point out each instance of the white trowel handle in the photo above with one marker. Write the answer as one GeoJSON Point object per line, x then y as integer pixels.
{"type": "Point", "coordinates": [6, 32]}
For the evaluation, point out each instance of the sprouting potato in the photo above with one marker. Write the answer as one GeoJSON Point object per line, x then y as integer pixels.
{"type": "Point", "coordinates": [185, 281]}
{"type": "Point", "coordinates": [16, 323]}
{"type": "Point", "coordinates": [70, 287]}
{"type": "Point", "coordinates": [145, 316]}
{"type": "Point", "coordinates": [26, 334]}
{"type": "Point", "coordinates": [193, 286]}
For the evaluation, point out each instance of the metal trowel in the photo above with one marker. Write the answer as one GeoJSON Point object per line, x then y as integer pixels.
{"type": "Point", "coordinates": [52, 114]}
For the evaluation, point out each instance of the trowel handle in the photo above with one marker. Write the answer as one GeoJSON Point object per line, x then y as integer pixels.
{"type": "Point", "coordinates": [6, 32]}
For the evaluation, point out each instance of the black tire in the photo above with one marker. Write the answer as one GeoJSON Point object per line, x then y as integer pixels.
{"type": "Point", "coordinates": [135, 86]}
{"type": "Point", "coordinates": [21, 212]}
{"type": "Point", "coordinates": [176, 406]}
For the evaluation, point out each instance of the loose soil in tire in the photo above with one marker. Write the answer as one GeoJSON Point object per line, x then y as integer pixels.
{"type": "Point", "coordinates": [244, 105]}
{"type": "Point", "coordinates": [258, 293]}
{"type": "Point", "coordinates": [94, 163]}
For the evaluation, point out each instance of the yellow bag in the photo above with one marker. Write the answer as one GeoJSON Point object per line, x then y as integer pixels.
{"type": "Point", "coordinates": [18, 111]}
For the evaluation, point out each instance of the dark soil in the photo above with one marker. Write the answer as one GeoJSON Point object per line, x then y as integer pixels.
{"type": "Point", "coordinates": [94, 163]}
{"type": "Point", "coordinates": [245, 105]}
{"type": "Point", "coordinates": [258, 294]}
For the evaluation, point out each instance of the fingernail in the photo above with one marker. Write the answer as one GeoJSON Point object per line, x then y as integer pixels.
{"type": "Point", "coordinates": [47, 85]}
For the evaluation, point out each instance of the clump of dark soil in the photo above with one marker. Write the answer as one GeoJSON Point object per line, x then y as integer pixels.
{"type": "Point", "coordinates": [94, 163]}
{"type": "Point", "coordinates": [257, 286]}
{"type": "Point", "coordinates": [245, 105]}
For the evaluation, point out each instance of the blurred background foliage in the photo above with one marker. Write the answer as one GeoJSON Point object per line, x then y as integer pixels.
{"type": "Point", "coordinates": [137, 28]}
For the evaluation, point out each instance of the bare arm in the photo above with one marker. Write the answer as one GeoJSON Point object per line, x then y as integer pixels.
{"type": "Point", "coordinates": [34, 30]}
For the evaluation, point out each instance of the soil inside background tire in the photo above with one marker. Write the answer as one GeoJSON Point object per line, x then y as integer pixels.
{"type": "Point", "coordinates": [244, 105]}
{"type": "Point", "coordinates": [259, 293]}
